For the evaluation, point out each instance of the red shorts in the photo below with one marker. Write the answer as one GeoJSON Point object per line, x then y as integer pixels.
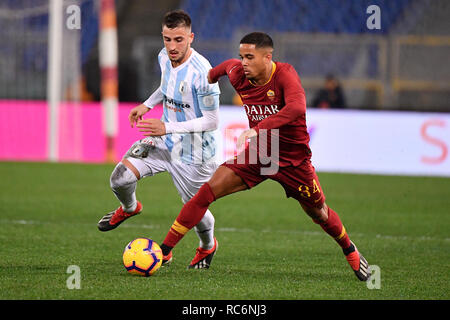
{"type": "Point", "coordinates": [300, 183]}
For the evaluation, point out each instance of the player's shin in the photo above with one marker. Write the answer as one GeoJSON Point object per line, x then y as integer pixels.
{"type": "Point", "coordinates": [334, 227]}
{"type": "Point", "coordinates": [205, 231]}
{"type": "Point", "coordinates": [123, 183]}
{"type": "Point", "coordinates": [190, 215]}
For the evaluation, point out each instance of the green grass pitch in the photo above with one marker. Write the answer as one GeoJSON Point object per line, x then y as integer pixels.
{"type": "Point", "coordinates": [268, 248]}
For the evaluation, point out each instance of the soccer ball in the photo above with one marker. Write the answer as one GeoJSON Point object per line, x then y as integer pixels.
{"type": "Point", "coordinates": [142, 256]}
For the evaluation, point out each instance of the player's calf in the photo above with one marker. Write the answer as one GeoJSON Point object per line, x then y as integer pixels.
{"type": "Point", "coordinates": [333, 226]}
{"type": "Point", "coordinates": [330, 222]}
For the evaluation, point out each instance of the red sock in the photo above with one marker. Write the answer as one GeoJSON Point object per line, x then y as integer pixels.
{"type": "Point", "coordinates": [190, 215]}
{"type": "Point", "coordinates": [334, 227]}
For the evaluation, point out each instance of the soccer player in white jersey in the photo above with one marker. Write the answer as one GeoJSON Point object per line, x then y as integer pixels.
{"type": "Point", "coordinates": [182, 143]}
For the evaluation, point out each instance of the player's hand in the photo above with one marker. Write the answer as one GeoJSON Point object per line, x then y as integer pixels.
{"type": "Point", "coordinates": [136, 114]}
{"type": "Point", "coordinates": [209, 77]}
{"type": "Point", "coordinates": [247, 134]}
{"type": "Point", "coordinates": [151, 127]}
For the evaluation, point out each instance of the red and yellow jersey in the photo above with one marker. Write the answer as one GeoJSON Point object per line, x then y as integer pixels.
{"type": "Point", "coordinates": [280, 104]}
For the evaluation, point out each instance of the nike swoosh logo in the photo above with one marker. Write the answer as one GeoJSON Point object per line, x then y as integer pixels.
{"type": "Point", "coordinates": [232, 69]}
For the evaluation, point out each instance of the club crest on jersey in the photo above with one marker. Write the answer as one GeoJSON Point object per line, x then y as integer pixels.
{"type": "Point", "coordinates": [208, 101]}
{"type": "Point", "coordinates": [271, 94]}
{"type": "Point", "coordinates": [183, 87]}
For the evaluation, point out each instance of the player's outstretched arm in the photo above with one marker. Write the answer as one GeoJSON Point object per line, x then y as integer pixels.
{"type": "Point", "coordinates": [209, 77]}
{"type": "Point", "coordinates": [222, 69]}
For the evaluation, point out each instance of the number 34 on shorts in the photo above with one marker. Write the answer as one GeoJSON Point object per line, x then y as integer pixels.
{"type": "Point", "coordinates": [310, 191]}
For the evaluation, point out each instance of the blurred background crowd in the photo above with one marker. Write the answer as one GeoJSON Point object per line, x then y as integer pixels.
{"type": "Point", "coordinates": [342, 63]}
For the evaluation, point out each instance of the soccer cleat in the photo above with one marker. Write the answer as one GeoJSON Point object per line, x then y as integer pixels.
{"type": "Point", "coordinates": [203, 257]}
{"type": "Point", "coordinates": [167, 259]}
{"type": "Point", "coordinates": [358, 263]}
{"type": "Point", "coordinates": [114, 218]}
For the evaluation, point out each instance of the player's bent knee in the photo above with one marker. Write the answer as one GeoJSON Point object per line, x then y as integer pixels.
{"type": "Point", "coordinates": [130, 166]}
{"type": "Point", "coordinates": [121, 176]}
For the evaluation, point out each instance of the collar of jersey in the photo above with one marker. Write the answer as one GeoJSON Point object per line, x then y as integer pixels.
{"type": "Point", "coordinates": [274, 67]}
{"type": "Point", "coordinates": [184, 63]}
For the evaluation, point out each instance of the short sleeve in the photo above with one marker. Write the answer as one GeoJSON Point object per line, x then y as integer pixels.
{"type": "Point", "coordinates": [207, 94]}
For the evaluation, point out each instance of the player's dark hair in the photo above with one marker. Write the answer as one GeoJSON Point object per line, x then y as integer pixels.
{"type": "Point", "coordinates": [259, 39]}
{"type": "Point", "coordinates": [176, 18]}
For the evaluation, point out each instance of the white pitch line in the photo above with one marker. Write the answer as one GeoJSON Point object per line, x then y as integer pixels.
{"type": "Point", "coordinates": [246, 230]}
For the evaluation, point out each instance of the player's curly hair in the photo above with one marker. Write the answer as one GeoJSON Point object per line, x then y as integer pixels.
{"type": "Point", "coordinates": [176, 18]}
{"type": "Point", "coordinates": [259, 39]}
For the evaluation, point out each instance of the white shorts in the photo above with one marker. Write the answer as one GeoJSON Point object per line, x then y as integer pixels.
{"type": "Point", "coordinates": [188, 178]}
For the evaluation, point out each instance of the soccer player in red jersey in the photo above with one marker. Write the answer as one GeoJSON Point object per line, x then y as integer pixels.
{"type": "Point", "coordinates": [275, 103]}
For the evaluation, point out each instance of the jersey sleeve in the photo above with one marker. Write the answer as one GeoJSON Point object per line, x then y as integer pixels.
{"type": "Point", "coordinates": [295, 101]}
{"type": "Point", "coordinates": [207, 122]}
{"type": "Point", "coordinates": [154, 99]}
{"type": "Point", "coordinates": [207, 95]}
{"type": "Point", "coordinates": [225, 68]}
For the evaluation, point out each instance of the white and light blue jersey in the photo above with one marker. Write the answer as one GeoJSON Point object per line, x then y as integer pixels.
{"type": "Point", "coordinates": [185, 94]}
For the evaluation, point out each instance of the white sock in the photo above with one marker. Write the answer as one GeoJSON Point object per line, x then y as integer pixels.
{"type": "Point", "coordinates": [205, 231]}
{"type": "Point", "coordinates": [123, 183]}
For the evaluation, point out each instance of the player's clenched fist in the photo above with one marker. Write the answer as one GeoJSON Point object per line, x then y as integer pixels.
{"type": "Point", "coordinates": [136, 114]}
